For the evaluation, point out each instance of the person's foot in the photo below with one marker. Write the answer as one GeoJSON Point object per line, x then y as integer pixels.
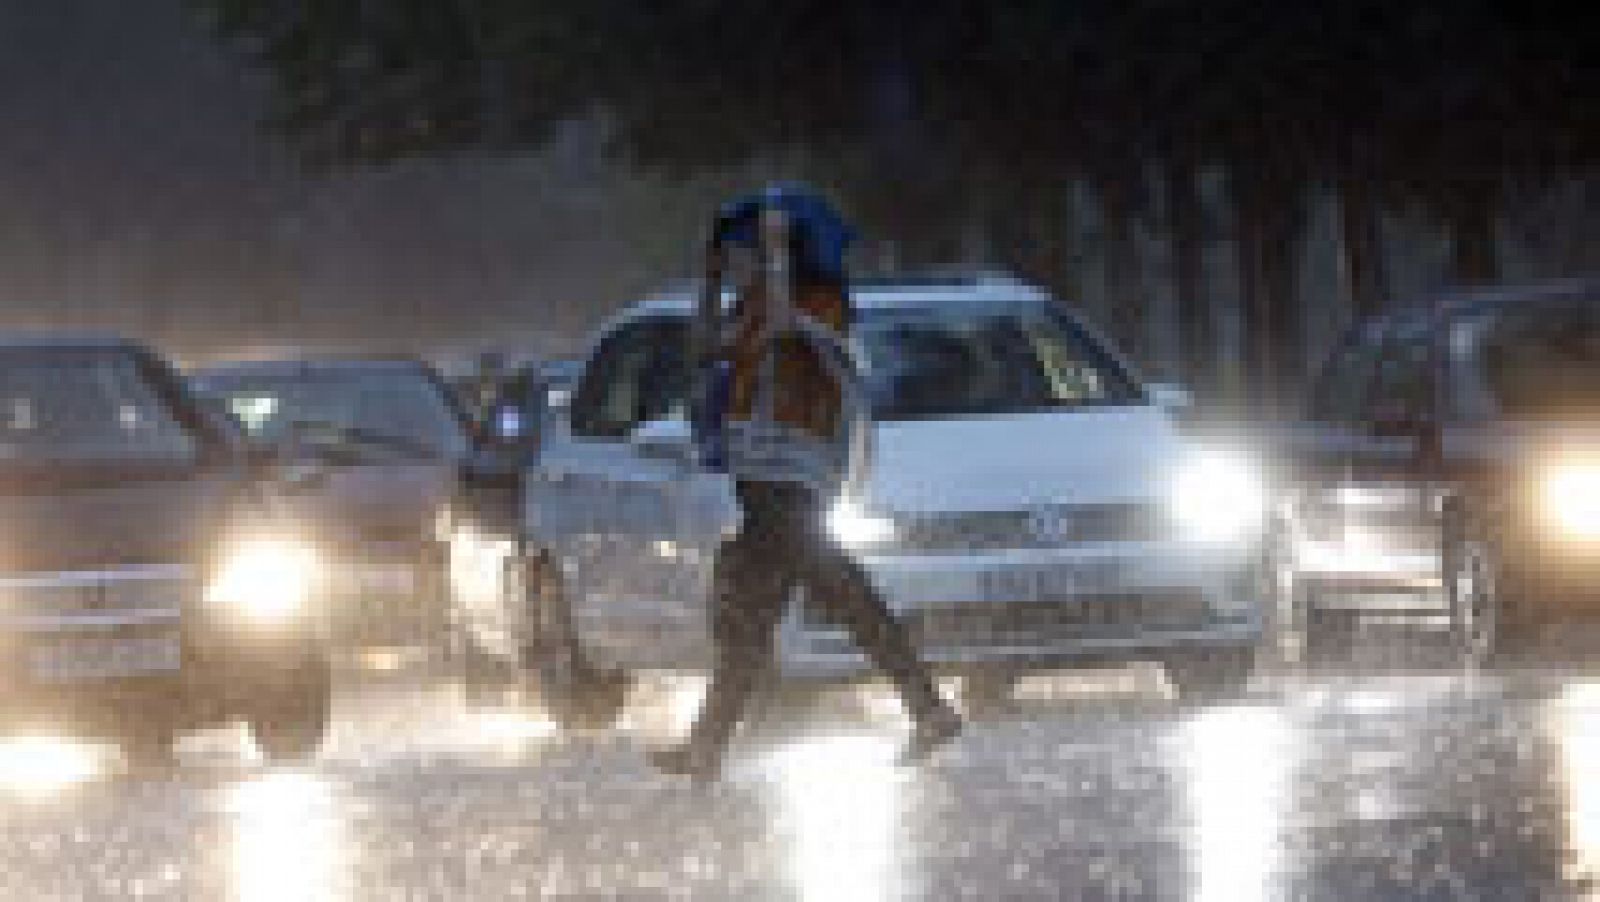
{"type": "Point", "coordinates": [694, 762]}
{"type": "Point", "coordinates": [929, 736]}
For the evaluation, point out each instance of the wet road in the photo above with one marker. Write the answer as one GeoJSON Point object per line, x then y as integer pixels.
{"type": "Point", "coordinates": [1398, 785]}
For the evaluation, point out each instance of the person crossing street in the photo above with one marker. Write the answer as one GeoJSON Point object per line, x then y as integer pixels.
{"type": "Point", "coordinates": [773, 413]}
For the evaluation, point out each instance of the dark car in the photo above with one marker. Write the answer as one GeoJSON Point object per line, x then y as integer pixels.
{"type": "Point", "coordinates": [150, 583]}
{"type": "Point", "coordinates": [1450, 468]}
{"type": "Point", "coordinates": [379, 443]}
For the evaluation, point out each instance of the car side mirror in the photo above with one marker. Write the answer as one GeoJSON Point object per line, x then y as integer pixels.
{"type": "Point", "coordinates": [1171, 396]}
{"type": "Point", "coordinates": [668, 438]}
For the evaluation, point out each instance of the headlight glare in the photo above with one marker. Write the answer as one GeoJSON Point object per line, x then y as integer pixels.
{"type": "Point", "coordinates": [1218, 499]}
{"type": "Point", "coordinates": [1570, 496]}
{"type": "Point", "coordinates": [852, 524]}
{"type": "Point", "coordinates": [265, 579]}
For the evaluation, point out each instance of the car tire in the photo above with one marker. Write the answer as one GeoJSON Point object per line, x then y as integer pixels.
{"type": "Point", "coordinates": [1211, 675]}
{"type": "Point", "coordinates": [1487, 627]}
{"type": "Point", "coordinates": [290, 714]}
{"type": "Point", "coordinates": [574, 694]}
{"type": "Point", "coordinates": [1328, 636]}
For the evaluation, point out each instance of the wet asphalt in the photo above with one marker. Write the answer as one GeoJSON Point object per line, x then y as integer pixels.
{"type": "Point", "coordinates": [1368, 780]}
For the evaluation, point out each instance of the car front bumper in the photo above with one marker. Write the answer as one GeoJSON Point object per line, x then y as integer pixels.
{"type": "Point", "coordinates": [1036, 607]}
{"type": "Point", "coordinates": [146, 651]}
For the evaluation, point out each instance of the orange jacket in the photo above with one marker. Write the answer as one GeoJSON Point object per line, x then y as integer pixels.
{"type": "Point", "coordinates": [805, 394]}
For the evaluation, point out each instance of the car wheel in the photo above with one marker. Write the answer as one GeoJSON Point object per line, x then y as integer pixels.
{"type": "Point", "coordinates": [1328, 636]}
{"type": "Point", "coordinates": [1211, 675]}
{"type": "Point", "coordinates": [574, 693]}
{"type": "Point", "coordinates": [1485, 627]}
{"type": "Point", "coordinates": [291, 713]}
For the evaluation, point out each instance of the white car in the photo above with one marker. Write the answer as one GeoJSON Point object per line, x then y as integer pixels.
{"type": "Point", "coordinates": [1028, 502]}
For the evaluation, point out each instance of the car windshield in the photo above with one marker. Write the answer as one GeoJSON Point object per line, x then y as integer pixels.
{"type": "Point", "coordinates": [399, 408]}
{"type": "Point", "coordinates": [71, 405]}
{"type": "Point", "coordinates": [1540, 361]}
{"type": "Point", "coordinates": [982, 358]}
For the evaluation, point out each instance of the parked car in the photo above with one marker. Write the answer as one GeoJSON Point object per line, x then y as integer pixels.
{"type": "Point", "coordinates": [385, 439]}
{"type": "Point", "coordinates": [1026, 504]}
{"type": "Point", "coordinates": [151, 584]}
{"type": "Point", "coordinates": [1449, 467]}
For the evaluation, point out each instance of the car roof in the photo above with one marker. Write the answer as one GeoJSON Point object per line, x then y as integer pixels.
{"type": "Point", "coordinates": [882, 292]}
{"type": "Point", "coordinates": [1445, 308]}
{"type": "Point", "coordinates": [70, 341]}
{"type": "Point", "coordinates": [309, 366]}
{"type": "Point", "coordinates": [1473, 302]}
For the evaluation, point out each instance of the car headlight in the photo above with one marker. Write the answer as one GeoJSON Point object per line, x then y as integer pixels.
{"type": "Point", "coordinates": [1570, 498]}
{"type": "Point", "coordinates": [1219, 499]}
{"type": "Point", "coordinates": [266, 579]}
{"type": "Point", "coordinates": [851, 524]}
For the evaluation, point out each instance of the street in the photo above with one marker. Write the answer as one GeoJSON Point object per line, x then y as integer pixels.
{"type": "Point", "coordinates": [1394, 784]}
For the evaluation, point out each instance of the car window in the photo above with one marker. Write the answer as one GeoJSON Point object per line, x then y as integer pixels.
{"type": "Point", "coordinates": [1402, 379]}
{"type": "Point", "coordinates": [390, 401]}
{"type": "Point", "coordinates": [1341, 391]}
{"type": "Point", "coordinates": [984, 358]}
{"type": "Point", "coordinates": [1534, 362]}
{"type": "Point", "coordinates": [72, 405]}
{"type": "Point", "coordinates": [640, 372]}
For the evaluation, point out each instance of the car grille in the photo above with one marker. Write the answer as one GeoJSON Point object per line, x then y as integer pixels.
{"type": "Point", "coordinates": [968, 623]}
{"type": "Point", "coordinates": [80, 593]}
{"type": "Point", "coordinates": [1042, 527]}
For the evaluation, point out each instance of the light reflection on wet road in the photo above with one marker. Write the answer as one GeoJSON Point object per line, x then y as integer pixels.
{"type": "Point", "coordinates": [1391, 786]}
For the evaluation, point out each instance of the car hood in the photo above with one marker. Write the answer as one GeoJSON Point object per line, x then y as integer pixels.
{"type": "Point", "coordinates": [86, 518]}
{"type": "Point", "coordinates": [379, 502]}
{"type": "Point", "coordinates": [1003, 462]}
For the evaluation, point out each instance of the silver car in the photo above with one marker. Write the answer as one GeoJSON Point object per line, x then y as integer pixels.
{"type": "Point", "coordinates": [1027, 502]}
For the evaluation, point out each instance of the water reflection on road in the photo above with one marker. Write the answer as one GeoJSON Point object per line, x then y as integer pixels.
{"type": "Point", "coordinates": [288, 839]}
{"type": "Point", "coordinates": [1395, 785]}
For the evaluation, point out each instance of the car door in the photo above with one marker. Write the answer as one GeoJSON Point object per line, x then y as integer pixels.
{"type": "Point", "coordinates": [619, 496]}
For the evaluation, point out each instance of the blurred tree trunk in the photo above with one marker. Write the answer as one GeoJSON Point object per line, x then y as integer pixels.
{"type": "Point", "coordinates": [1472, 219]}
{"type": "Point", "coordinates": [1362, 239]}
{"type": "Point", "coordinates": [1126, 313]}
{"type": "Point", "coordinates": [1283, 360]}
{"type": "Point", "coordinates": [1196, 319]}
{"type": "Point", "coordinates": [1267, 208]}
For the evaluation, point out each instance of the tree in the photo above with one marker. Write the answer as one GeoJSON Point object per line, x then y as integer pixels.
{"type": "Point", "coordinates": [899, 104]}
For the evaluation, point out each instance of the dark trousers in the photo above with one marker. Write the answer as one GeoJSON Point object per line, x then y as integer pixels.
{"type": "Point", "coordinates": [782, 545]}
